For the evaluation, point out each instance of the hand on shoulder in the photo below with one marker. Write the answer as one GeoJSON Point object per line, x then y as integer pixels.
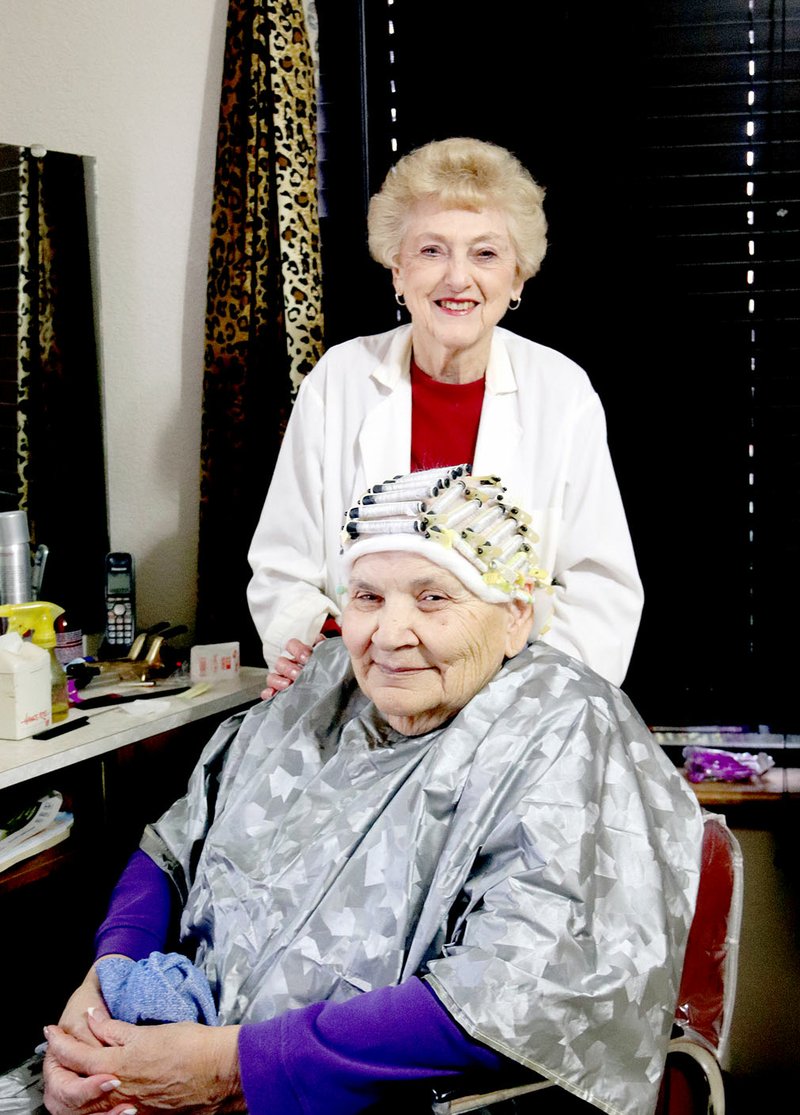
{"type": "Point", "coordinates": [287, 668]}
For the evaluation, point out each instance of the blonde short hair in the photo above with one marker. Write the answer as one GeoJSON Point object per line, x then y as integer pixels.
{"type": "Point", "coordinates": [462, 173]}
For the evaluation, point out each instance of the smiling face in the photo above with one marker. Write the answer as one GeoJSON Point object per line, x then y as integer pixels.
{"type": "Point", "coordinates": [457, 270]}
{"type": "Point", "coordinates": [421, 644]}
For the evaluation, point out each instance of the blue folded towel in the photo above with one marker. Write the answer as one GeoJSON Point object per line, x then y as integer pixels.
{"type": "Point", "coordinates": [165, 987]}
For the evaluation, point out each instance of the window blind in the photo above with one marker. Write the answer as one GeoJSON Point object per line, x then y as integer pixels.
{"type": "Point", "coordinates": [720, 161]}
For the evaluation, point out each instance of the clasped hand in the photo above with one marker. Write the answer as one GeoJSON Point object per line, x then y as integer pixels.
{"type": "Point", "coordinates": [96, 1063]}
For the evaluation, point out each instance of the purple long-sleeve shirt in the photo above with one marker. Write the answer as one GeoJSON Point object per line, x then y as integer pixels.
{"type": "Point", "coordinates": [339, 1057]}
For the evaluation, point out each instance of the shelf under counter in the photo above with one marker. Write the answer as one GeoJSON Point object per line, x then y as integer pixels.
{"type": "Point", "coordinates": [114, 728]}
{"type": "Point", "coordinates": [779, 784]}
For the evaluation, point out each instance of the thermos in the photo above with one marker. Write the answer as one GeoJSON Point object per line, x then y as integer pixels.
{"type": "Point", "coordinates": [15, 558]}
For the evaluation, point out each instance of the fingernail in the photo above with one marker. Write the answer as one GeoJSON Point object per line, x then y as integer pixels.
{"type": "Point", "coordinates": [46, 1031]}
{"type": "Point", "coordinates": [303, 656]}
{"type": "Point", "coordinates": [109, 1086]}
{"type": "Point", "coordinates": [129, 1111]}
{"type": "Point", "coordinates": [90, 1011]}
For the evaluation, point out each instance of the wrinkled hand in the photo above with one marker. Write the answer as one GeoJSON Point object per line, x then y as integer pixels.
{"type": "Point", "coordinates": [180, 1067]}
{"type": "Point", "coordinates": [86, 997]}
{"type": "Point", "coordinates": [287, 668]}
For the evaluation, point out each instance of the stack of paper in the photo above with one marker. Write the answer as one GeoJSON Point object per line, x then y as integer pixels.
{"type": "Point", "coordinates": [38, 826]}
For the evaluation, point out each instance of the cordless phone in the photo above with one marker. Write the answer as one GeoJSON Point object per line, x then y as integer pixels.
{"type": "Point", "coordinates": [120, 600]}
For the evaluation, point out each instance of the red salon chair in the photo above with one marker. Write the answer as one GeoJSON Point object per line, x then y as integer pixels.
{"type": "Point", "coordinates": [692, 1083]}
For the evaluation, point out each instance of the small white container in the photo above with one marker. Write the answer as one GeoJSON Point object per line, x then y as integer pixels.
{"type": "Point", "coordinates": [25, 687]}
{"type": "Point", "coordinates": [214, 661]}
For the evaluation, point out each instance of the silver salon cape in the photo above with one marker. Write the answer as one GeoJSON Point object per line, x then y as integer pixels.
{"type": "Point", "coordinates": [536, 859]}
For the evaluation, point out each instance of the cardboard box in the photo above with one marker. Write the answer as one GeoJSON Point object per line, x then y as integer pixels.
{"type": "Point", "coordinates": [25, 688]}
{"type": "Point", "coordinates": [214, 661]}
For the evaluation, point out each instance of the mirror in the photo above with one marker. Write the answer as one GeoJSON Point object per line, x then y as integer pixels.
{"type": "Point", "coordinates": [52, 461]}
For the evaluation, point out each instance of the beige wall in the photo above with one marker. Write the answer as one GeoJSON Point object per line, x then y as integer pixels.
{"type": "Point", "coordinates": [136, 85]}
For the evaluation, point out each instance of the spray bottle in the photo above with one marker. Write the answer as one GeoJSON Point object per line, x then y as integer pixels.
{"type": "Point", "coordinates": [38, 617]}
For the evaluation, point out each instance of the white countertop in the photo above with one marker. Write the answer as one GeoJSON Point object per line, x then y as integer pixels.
{"type": "Point", "coordinates": [108, 730]}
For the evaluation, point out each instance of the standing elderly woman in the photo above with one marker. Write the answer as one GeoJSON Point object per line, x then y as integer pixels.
{"type": "Point", "coordinates": [460, 224]}
{"type": "Point", "coordinates": [441, 849]}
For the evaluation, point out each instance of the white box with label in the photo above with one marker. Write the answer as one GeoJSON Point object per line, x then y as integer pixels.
{"type": "Point", "coordinates": [25, 688]}
{"type": "Point", "coordinates": [214, 661]}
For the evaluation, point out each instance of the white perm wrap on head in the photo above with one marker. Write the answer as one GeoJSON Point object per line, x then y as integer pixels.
{"type": "Point", "coordinates": [459, 521]}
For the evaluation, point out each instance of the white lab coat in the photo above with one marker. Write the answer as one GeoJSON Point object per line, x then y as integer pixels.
{"type": "Point", "coordinates": [542, 430]}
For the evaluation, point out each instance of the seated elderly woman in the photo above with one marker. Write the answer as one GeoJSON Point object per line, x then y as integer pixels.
{"type": "Point", "coordinates": [441, 850]}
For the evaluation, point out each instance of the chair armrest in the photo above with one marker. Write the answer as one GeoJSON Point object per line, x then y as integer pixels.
{"type": "Point", "coordinates": [709, 1067]}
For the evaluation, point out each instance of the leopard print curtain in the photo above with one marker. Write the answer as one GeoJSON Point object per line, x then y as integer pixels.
{"type": "Point", "coordinates": [26, 306]}
{"type": "Point", "coordinates": [264, 317]}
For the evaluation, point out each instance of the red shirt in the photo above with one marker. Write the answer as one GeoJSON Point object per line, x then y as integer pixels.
{"type": "Point", "coordinates": [444, 420]}
{"type": "Point", "coordinates": [444, 429]}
